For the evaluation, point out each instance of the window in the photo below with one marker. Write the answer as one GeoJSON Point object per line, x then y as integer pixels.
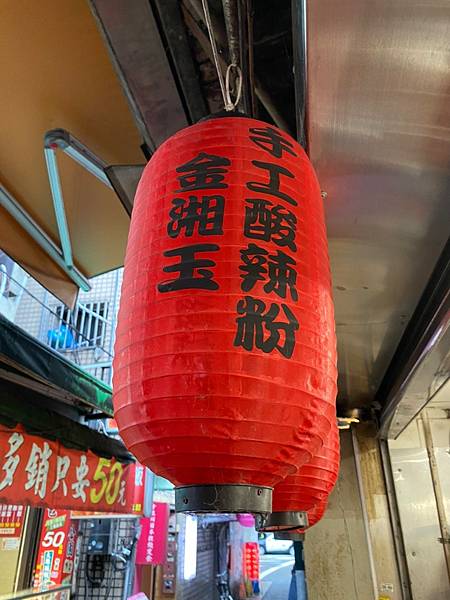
{"type": "Point", "coordinates": [85, 327]}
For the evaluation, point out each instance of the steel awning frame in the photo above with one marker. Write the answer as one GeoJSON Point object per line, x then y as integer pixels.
{"type": "Point", "coordinates": [58, 139]}
{"type": "Point", "coordinates": [80, 93]}
{"type": "Point", "coordinates": [10, 204]}
{"type": "Point", "coordinates": [76, 150]}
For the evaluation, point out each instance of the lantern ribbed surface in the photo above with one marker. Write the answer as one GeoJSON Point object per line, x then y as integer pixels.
{"type": "Point", "coordinates": [313, 482]}
{"type": "Point", "coordinates": [225, 354]}
{"type": "Point", "coordinates": [316, 513]}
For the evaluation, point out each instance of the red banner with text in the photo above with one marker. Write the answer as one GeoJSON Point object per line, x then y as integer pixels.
{"type": "Point", "coordinates": [152, 544]}
{"type": "Point", "coordinates": [40, 472]}
{"type": "Point", "coordinates": [56, 555]}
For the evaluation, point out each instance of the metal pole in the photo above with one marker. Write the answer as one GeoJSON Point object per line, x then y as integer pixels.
{"type": "Point", "coordinates": [58, 205]}
{"type": "Point", "coordinates": [299, 564]}
{"type": "Point", "coordinates": [203, 40]}
{"type": "Point", "coordinates": [298, 589]}
{"type": "Point", "coordinates": [114, 309]}
{"type": "Point", "coordinates": [231, 24]}
{"type": "Point", "coordinates": [11, 205]}
{"type": "Point", "coordinates": [440, 504]}
{"type": "Point", "coordinates": [373, 573]}
{"type": "Point", "coordinates": [299, 39]}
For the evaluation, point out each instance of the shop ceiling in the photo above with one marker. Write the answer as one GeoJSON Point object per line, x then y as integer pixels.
{"type": "Point", "coordinates": [371, 103]}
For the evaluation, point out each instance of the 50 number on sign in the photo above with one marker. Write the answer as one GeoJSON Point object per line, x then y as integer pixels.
{"type": "Point", "coordinates": [111, 480]}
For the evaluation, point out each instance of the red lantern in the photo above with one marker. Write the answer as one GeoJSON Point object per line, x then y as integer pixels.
{"type": "Point", "coordinates": [298, 494]}
{"type": "Point", "coordinates": [315, 514]}
{"type": "Point", "coordinates": [225, 349]}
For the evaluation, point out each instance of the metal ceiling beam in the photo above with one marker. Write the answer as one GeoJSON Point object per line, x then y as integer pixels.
{"type": "Point", "coordinates": [299, 38]}
{"type": "Point", "coordinates": [177, 43]}
{"type": "Point", "coordinates": [247, 61]}
{"type": "Point", "coordinates": [420, 366]}
{"type": "Point", "coordinates": [124, 179]}
{"type": "Point", "coordinates": [137, 52]}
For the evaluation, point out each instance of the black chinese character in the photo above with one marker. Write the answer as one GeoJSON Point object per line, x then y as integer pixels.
{"type": "Point", "coordinates": [204, 172]}
{"type": "Point", "coordinates": [254, 266]}
{"type": "Point", "coordinates": [253, 326]}
{"type": "Point", "coordinates": [188, 267]}
{"type": "Point", "coordinates": [271, 141]}
{"type": "Point", "coordinates": [278, 269]}
{"type": "Point", "coordinates": [282, 275]}
{"type": "Point", "coordinates": [273, 186]}
{"type": "Point", "coordinates": [206, 212]}
{"type": "Point", "coordinates": [264, 221]}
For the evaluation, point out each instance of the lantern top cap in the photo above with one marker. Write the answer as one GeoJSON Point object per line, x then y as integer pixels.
{"type": "Point", "coordinates": [224, 113]}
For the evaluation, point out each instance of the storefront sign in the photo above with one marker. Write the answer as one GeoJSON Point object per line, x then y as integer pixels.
{"type": "Point", "coordinates": [152, 544]}
{"type": "Point", "coordinates": [45, 473]}
{"type": "Point", "coordinates": [11, 520]}
{"type": "Point", "coordinates": [56, 549]}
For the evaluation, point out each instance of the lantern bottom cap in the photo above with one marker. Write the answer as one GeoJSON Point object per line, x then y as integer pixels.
{"type": "Point", "coordinates": [284, 521]}
{"type": "Point", "coordinates": [227, 498]}
{"type": "Point", "coordinates": [289, 535]}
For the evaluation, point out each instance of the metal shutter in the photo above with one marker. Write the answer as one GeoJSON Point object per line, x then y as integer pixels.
{"type": "Point", "coordinates": [203, 587]}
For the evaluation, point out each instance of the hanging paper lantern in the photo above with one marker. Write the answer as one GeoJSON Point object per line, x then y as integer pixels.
{"type": "Point", "coordinates": [315, 514]}
{"type": "Point", "coordinates": [298, 494]}
{"type": "Point", "coordinates": [225, 349]}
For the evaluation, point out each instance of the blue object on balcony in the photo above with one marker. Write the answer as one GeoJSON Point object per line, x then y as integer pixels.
{"type": "Point", "coordinates": [61, 338]}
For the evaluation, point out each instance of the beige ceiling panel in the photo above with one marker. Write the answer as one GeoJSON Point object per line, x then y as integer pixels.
{"type": "Point", "coordinates": [56, 73]}
{"type": "Point", "coordinates": [23, 249]}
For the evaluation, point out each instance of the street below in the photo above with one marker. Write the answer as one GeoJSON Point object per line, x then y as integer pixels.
{"type": "Point", "coordinates": [276, 576]}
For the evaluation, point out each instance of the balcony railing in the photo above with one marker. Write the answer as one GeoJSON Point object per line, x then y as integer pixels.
{"type": "Point", "coordinates": [83, 335]}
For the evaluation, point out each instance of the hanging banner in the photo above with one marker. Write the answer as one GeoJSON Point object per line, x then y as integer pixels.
{"type": "Point", "coordinates": [54, 565]}
{"type": "Point", "coordinates": [45, 473]}
{"type": "Point", "coordinates": [152, 544]}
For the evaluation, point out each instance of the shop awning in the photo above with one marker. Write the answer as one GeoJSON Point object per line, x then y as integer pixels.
{"type": "Point", "coordinates": [23, 407]}
{"type": "Point", "coordinates": [24, 360]}
{"type": "Point", "coordinates": [48, 396]}
{"type": "Point", "coordinates": [56, 74]}
{"type": "Point", "coordinates": [74, 487]}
